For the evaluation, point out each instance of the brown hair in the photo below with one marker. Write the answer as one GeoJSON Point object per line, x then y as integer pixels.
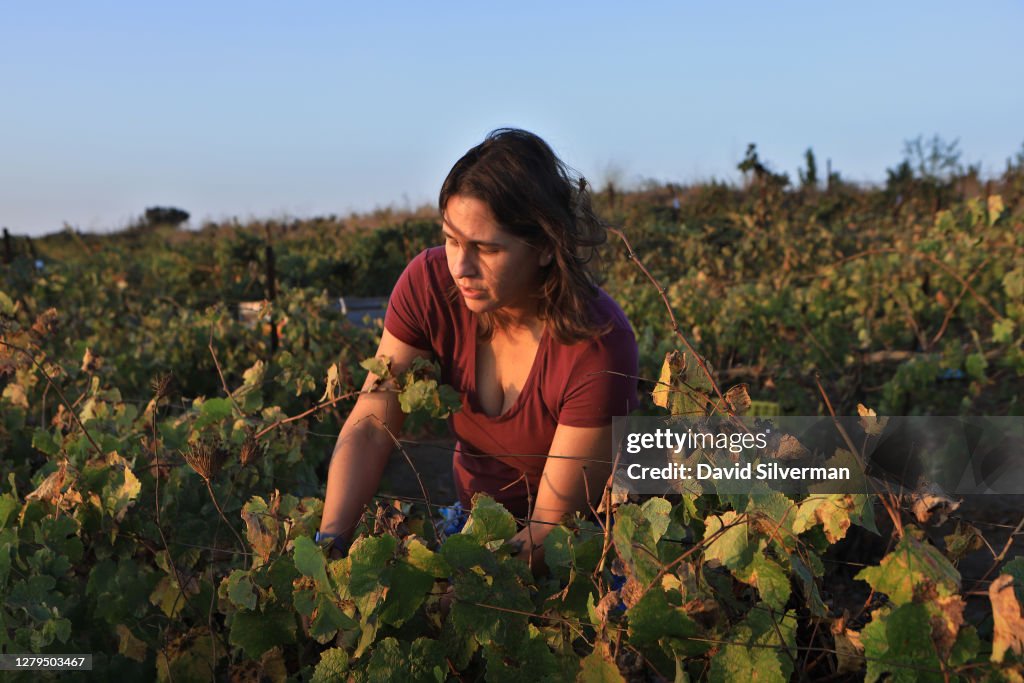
{"type": "Point", "coordinates": [536, 197]}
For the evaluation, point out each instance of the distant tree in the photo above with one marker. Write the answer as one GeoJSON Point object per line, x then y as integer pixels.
{"type": "Point", "coordinates": [809, 178]}
{"type": "Point", "coordinates": [752, 164]}
{"type": "Point", "coordinates": [935, 160]}
{"type": "Point", "coordinates": [165, 215]}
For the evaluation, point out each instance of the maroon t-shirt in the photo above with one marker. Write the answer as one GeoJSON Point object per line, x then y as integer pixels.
{"type": "Point", "coordinates": [566, 385]}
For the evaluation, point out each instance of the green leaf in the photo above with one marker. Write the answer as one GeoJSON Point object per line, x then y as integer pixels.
{"type": "Point", "coordinates": [250, 394]}
{"type": "Point", "coordinates": [769, 578]}
{"type": "Point", "coordinates": [332, 667]}
{"type": "Point", "coordinates": [757, 653]}
{"type": "Point", "coordinates": [408, 589]}
{"type": "Point", "coordinates": [1013, 283]}
{"type": "Point", "coordinates": [733, 548]}
{"type": "Point", "coordinates": [653, 618]}
{"type": "Point", "coordinates": [420, 394]}
{"type": "Point", "coordinates": [426, 560]}
{"type": "Point", "coordinates": [899, 643]}
{"type": "Point", "coordinates": [309, 560]}
{"type": "Point", "coordinates": [370, 556]}
{"type": "Point", "coordinates": [44, 442]}
{"type": "Point", "coordinates": [329, 619]}
{"type": "Point", "coordinates": [975, 365]}
{"type": "Point", "coordinates": [6, 305]}
{"type": "Point", "coordinates": [1002, 331]}
{"type": "Point", "coordinates": [240, 590]}
{"type": "Point", "coordinates": [597, 667]}
{"type": "Point", "coordinates": [533, 662]}
{"type": "Point", "coordinates": [913, 567]}
{"type": "Point", "coordinates": [464, 552]}
{"type": "Point", "coordinates": [212, 411]}
{"type": "Point", "coordinates": [192, 662]}
{"type": "Point", "coordinates": [634, 542]}
{"type": "Point", "coordinates": [257, 632]}
{"type": "Point", "coordinates": [478, 591]}
{"type": "Point", "coordinates": [811, 592]}
{"type": "Point", "coordinates": [658, 512]}
{"type": "Point", "coordinates": [8, 505]}
{"type": "Point", "coordinates": [305, 601]}
{"type": "Point", "coordinates": [280, 576]}
{"type": "Point", "coordinates": [378, 366]}
{"type": "Point", "coordinates": [422, 661]}
{"type": "Point", "coordinates": [489, 521]}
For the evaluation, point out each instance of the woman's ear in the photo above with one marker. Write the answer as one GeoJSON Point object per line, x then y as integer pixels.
{"type": "Point", "coordinates": [546, 257]}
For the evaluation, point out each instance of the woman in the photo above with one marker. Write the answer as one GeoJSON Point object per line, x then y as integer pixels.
{"type": "Point", "coordinates": [543, 359]}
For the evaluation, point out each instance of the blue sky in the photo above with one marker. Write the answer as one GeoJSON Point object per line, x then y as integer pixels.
{"type": "Point", "coordinates": [296, 109]}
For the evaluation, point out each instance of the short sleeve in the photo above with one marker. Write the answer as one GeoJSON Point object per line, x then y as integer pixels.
{"type": "Point", "coordinates": [406, 317]}
{"type": "Point", "coordinates": [603, 382]}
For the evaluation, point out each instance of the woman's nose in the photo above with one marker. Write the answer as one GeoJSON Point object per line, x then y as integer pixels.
{"type": "Point", "coordinates": [465, 264]}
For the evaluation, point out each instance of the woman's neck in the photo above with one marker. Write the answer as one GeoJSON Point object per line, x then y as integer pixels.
{"type": "Point", "coordinates": [515, 327]}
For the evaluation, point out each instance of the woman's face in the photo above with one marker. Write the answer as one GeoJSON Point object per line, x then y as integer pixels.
{"type": "Point", "coordinates": [493, 269]}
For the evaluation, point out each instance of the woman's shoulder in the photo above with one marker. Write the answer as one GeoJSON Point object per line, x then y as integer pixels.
{"type": "Point", "coordinates": [615, 338]}
{"type": "Point", "coordinates": [430, 263]}
{"type": "Point", "coordinates": [606, 312]}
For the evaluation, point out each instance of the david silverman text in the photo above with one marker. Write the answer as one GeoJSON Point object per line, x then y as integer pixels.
{"type": "Point", "coordinates": [761, 471]}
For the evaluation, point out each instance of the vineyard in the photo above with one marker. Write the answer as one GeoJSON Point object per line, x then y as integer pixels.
{"type": "Point", "coordinates": [164, 457]}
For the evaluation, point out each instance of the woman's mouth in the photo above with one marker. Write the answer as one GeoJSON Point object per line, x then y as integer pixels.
{"type": "Point", "coordinates": [472, 293]}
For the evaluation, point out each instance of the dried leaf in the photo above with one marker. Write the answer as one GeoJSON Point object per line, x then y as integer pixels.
{"type": "Point", "coordinates": [946, 622]}
{"type": "Point", "coordinates": [49, 488]}
{"type": "Point", "coordinates": [738, 398]}
{"type": "Point", "coordinates": [90, 361]}
{"type": "Point", "coordinates": [613, 498]}
{"type": "Point", "coordinates": [262, 541]}
{"type": "Point", "coordinates": [787, 447]}
{"type": "Point", "coordinates": [872, 424]}
{"type": "Point", "coordinates": [631, 592]}
{"type": "Point", "coordinates": [931, 500]}
{"type": "Point", "coordinates": [1008, 631]}
{"type": "Point", "coordinates": [607, 603]}
{"type": "Point", "coordinates": [332, 383]}
{"type": "Point", "coordinates": [849, 648]}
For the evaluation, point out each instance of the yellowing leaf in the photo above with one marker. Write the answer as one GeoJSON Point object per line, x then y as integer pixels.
{"type": "Point", "coordinates": [1008, 633]}
{"type": "Point", "coordinates": [913, 568]}
{"type": "Point", "coordinates": [332, 382]}
{"type": "Point", "coordinates": [732, 547]}
{"type": "Point", "coordinates": [130, 646]}
{"type": "Point", "coordinates": [661, 392]}
{"type": "Point", "coordinates": [995, 208]}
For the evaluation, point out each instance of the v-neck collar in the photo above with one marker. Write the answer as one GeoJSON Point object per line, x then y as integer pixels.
{"type": "Point", "coordinates": [472, 397]}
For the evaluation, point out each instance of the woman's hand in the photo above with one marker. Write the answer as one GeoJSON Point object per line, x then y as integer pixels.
{"type": "Point", "coordinates": [572, 482]}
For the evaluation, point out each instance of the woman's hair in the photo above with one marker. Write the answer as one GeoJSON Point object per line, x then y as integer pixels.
{"type": "Point", "coordinates": [536, 197]}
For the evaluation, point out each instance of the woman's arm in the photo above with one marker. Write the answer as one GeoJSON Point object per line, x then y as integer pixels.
{"type": "Point", "coordinates": [583, 466]}
{"type": "Point", "coordinates": [364, 444]}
